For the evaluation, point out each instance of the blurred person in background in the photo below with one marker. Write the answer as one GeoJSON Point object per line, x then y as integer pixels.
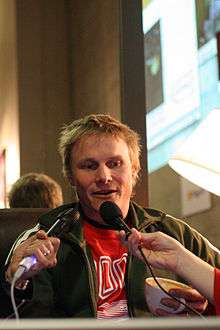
{"type": "Point", "coordinates": [35, 190]}
{"type": "Point", "coordinates": [32, 190]}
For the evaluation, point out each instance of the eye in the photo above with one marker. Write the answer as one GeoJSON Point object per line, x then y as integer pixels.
{"type": "Point", "coordinates": [88, 165]}
{"type": "Point", "coordinates": [114, 163]}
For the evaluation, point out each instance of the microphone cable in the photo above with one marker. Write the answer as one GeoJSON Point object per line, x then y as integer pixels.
{"type": "Point", "coordinates": [64, 219]}
{"type": "Point", "coordinates": [112, 215]}
{"type": "Point", "coordinates": [15, 307]}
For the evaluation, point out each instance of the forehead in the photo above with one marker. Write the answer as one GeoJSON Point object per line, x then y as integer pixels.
{"type": "Point", "coordinates": [99, 146]}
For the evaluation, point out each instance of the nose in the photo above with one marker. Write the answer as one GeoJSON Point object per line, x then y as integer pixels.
{"type": "Point", "coordinates": [103, 175]}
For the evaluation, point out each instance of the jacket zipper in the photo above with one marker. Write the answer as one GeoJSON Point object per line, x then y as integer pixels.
{"type": "Point", "coordinates": [127, 286]}
{"type": "Point", "coordinates": [81, 246]}
{"type": "Point", "coordinates": [91, 278]}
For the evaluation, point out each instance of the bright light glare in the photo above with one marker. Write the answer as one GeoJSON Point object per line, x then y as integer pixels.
{"type": "Point", "coordinates": [198, 159]}
{"type": "Point", "coordinates": [12, 165]}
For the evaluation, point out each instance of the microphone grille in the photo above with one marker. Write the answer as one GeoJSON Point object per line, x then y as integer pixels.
{"type": "Point", "coordinates": [68, 219]}
{"type": "Point", "coordinates": [110, 212]}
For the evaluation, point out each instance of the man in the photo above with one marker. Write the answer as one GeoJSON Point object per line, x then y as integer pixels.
{"type": "Point", "coordinates": [88, 272]}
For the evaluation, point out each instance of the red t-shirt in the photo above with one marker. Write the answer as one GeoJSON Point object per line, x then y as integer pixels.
{"type": "Point", "coordinates": [217, 291]}
{"type": "Point", "coordinates": [110, 258]}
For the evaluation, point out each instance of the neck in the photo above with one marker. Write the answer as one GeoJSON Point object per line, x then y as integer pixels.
{"type": "Point", "coordinates": [97, 224]}
{"type": "Point", "coordinates": [90, 214]}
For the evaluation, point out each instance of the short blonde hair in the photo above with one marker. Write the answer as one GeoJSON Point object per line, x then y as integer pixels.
{"type": "Point", "coordinates": [97, 124]}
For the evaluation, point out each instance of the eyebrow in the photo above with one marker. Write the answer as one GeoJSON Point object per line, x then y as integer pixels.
{"type": "Point", "coordinates": [87, 159]}
{"type": "Point", "coordinates": [90, 159]}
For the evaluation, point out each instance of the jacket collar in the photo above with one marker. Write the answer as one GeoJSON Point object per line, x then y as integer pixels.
{"type": "Point", "coordinates": [139, 217]}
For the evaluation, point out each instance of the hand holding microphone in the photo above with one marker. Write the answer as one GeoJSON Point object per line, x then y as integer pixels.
{"type": "Point", "coordinates": [40, 250]}
{"type": "Point", "coordinates": [161, 251]}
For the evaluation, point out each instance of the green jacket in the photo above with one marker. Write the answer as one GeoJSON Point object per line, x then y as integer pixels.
{"type": "Point", "coordinates": [70, 288]}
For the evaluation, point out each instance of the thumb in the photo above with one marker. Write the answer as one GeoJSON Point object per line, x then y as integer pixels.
{"type": "Point", "coordinates": [41, 234]}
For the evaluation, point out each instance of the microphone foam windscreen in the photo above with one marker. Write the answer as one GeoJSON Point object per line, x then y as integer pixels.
{"type": "Point", "coordinates": [110, 212]}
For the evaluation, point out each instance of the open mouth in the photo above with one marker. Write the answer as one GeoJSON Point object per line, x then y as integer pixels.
{"type": "Point", "coordinates": [104, 192]}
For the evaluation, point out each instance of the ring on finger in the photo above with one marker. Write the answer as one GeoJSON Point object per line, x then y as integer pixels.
{"type": "Point", "coordinates": [46, 253]}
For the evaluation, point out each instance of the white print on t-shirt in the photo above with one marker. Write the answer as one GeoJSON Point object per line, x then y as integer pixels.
{"type": "Point", "coordinates": [111, 275]}
{"type": "Point", "coordinates": [116, 310]}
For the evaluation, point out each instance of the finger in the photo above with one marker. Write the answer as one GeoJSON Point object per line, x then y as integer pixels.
{"type": "Point", "coordinates": [133, 246]}
{"type": "Point", "coordinates": [134, 240]}
{"type": "Point", "coordinates": [45, 259]}
{"type": "Point", "coordinates": [26, 243]}
{"type": "Point", "coordinates": [189, 294]}
{"type": "Point", "coordinates": [135, 237]}
{"type": "Point", "coordinates": [135, 233]}
{"type": "Point", "coordinates": [49, 245]}
{"type": "Point", "coordinates": [199, 306]}
{"type": "Point", "coordinates": [46, 246]}
{"type": "Point", "coordinates": [163, 312]}
{"type": "Point", "coordinates": [56, 243]}
{"type": "Point", "coordinates": [41, 234]}
{"type": "Point", "coordinates": [46, 252]}
{"type": "Point", "coordinates": [134, 249]}
{"type": "Point", "coordinates": [42, 265]}
{"type": "Point", "coordinates": [171, 303]}
{"type": "Point", "coordinates": [50, 248]}
{"type": "Point", "coordinates": [122, 235]}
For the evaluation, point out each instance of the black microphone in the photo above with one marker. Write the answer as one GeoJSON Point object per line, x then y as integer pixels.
{"type": "Point", "coordinates": [112, 215]}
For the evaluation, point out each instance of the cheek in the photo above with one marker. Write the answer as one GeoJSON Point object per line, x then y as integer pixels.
{"type": "Point", "coordinates": [126, 179]}
{"type": "Point", "coordinates": [83, 181]}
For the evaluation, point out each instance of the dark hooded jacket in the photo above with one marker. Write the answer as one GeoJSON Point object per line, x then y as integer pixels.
{"type": "Point", "coordinates": [70, 288]}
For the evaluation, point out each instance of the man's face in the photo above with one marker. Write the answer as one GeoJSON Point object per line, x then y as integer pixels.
{"type": "Point", "coordinates": [102, 171]}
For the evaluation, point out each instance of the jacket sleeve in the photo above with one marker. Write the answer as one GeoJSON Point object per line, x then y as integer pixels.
{"type": "Point", "coordinates": [41, 304]}
{"type": "Point", "coordinates": [191, 240]}
{"type": "Point", "coordinates": [217, 291]}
